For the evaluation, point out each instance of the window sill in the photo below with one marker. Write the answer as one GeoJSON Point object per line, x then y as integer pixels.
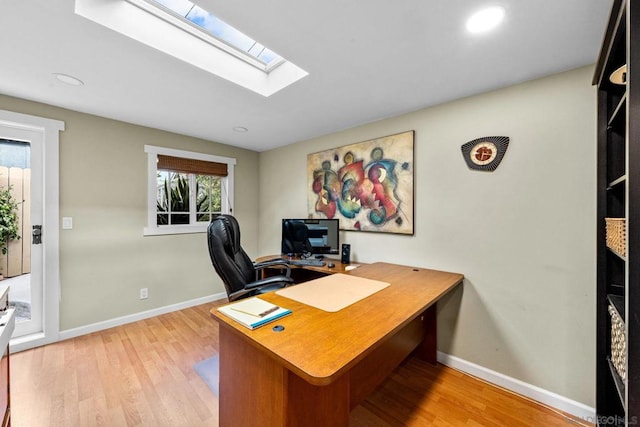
{"type": "Point", "coordinates": [176, 229]}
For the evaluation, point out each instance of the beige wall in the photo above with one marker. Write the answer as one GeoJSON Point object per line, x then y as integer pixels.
{"type": "Point", "coordinates": [523, 235]}
{"type": "Point", "coordinates": [105, 259]}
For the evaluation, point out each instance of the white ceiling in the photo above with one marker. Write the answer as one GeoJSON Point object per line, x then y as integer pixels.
{"type": "Point", "coordinates": [367, 60]}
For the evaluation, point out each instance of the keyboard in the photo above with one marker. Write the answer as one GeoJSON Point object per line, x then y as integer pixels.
{"type": "Point", "coordinates": [307, 262]}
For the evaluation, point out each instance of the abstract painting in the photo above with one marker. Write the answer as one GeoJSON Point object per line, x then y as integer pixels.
{"type": "Point", "coordinates": [368, 186]}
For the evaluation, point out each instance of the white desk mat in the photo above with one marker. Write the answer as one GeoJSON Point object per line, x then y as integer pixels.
{"type": "Point", "coordinates": [333, 292]}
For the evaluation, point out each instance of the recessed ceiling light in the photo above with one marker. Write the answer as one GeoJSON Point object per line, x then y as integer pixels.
{"type": "Point", "coordinates": [240, 129]}
{"type": "Point", "coordinates": [485, 19]}
{"type": "Point", "coordinates": [70, 80]}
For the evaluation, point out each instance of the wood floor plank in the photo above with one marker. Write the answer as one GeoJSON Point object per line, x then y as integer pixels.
{"type": "Point", "coordinates": [141, 374]}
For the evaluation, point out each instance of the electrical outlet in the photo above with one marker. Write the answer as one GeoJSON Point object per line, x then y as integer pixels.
{"type": "Point", "coordinates": [144, 293]}
{"type": "Point", "coordinates": [67, 223]}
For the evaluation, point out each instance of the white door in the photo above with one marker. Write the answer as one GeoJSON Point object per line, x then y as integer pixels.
{"type": "Point", "coordinates": [21, 166]}
{"type": "Point", "coordinates": [43, 135]}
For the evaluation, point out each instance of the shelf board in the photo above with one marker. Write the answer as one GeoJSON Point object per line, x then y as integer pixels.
{"type": "Point", "coordinates": [619, 383]}
{"type": "Point", "coordinates": [617, 182]}
{"type": "Point", "coordinates": [617, 254]}
{"type": "Point", "coordinates": [620, 112]}
{"type": "Point", "coordinates": [618, 303]}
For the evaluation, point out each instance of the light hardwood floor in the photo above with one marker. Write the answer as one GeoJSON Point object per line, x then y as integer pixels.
{"type": "Point", "coordinates": [142, 374]}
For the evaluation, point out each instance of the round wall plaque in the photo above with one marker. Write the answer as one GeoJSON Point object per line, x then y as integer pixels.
{"type": "Point", "coordinates": [485, 154]}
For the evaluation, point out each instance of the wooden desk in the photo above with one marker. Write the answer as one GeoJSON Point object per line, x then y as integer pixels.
{"type": "Point", "coordinates": [308, 272]}
{"type": "Point", "coordinates": [323, 364]}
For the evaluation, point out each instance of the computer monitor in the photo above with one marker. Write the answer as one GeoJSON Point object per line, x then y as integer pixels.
{"type": "Point", "coordinates": [310, 236]}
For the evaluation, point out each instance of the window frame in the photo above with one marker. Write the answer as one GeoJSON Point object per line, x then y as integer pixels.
{"type": "Point", "coordinates": [227, 183]}
{"type": "Point", "coordinates": [138, 24]}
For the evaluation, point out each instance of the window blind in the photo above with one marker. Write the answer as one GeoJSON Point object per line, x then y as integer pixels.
{"type": "Point", "coordinates": [199, 167]}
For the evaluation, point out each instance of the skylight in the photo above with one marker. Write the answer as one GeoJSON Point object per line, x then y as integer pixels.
{"type": "Point", "coordinates": [216, 27]}
{"type": "Point", "coordinates": [209, 24]}
{"type": "Point", "coordinates": [185, 31]}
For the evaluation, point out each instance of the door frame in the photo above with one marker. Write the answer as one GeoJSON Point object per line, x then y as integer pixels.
{"type": "Point", "coordinates": [49, 129]}
{"type": "Point", "coordinates": [32, 211]}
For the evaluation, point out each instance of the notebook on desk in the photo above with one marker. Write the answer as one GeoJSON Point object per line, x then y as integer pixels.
{"type": "Point", "coordinates": [334, 292]}
{"type": "Point", "coordinates": [253, 312]}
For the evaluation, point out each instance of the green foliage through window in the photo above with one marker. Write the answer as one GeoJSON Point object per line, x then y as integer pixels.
{"type": "Point", "coordinates": [174, 197]}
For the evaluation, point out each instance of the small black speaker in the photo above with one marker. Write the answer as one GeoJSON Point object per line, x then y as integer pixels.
{"type": "Point", "coordinates": [346, 254]}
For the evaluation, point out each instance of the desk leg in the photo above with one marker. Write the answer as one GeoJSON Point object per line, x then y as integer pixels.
{"type": "Point", "coordinates": [255, 389]}
{"type": "Point", "coordinates": [309, 405]}
{"type": "Point", "coordinates": [427, 350]}
{"type": "Point", "coordinates": [373, 369]}
{"type": "Point", "coordinates": [251, 385]}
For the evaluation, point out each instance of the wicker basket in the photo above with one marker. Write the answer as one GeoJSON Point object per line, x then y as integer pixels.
{"type": "Point", "coordinates": [618, 344]}
{"type": "Point", "coordinates": [616, 235]}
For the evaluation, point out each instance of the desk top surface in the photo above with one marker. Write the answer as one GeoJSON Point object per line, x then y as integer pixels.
{"type": "Point", "coordinates": [320, 346]}
{"type": "Point", "coordinates": [338, 267]}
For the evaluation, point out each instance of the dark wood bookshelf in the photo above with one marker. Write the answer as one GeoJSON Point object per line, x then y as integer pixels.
{"type": "Point", "coordinates": [618, 193]}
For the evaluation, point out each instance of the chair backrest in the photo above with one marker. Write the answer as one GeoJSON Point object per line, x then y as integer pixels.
{"type": "Point", "coordinates": [229, 260]}
{"type": "Point", "coordinates": [295, 239]}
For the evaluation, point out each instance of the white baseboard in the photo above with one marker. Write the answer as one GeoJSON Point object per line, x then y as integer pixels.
{"type": "Point", "coordinates": [533, 392]}
{"type": "Point", "coordinates": [118, 321]}
{"type": "Point", "coordinates": [26, 342]}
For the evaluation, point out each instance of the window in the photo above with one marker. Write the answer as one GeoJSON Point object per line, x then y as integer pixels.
{"type": "Point", "coordinates": [186, 190]}
{"type": "Point", "coordinates": [214, 30]}
{"type": "Point", "coordinates": [199, 39]}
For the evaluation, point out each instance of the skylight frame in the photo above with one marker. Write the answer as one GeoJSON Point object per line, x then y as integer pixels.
{"type": "Point", "coordinates": [137, 24]}
{"type": "Point", "coordinates": [160, 11]}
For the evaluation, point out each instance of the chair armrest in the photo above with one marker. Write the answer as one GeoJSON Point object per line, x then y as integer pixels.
{"type": "Point", "coordinates": [273, 281]}
{"type": "Point", "coordinates": [233, 296]}
{"type": "Point", "coordinates": [273, 263]}
{"type": "Point", "coordinates": [270, 281]}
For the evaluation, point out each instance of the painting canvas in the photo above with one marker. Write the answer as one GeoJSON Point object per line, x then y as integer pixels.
{"type": "Point", "coordinates": [368, 186]}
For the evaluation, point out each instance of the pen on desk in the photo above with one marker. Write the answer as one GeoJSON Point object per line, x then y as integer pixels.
{"type": "Point", "coordinates": [264, 313]}
{"type": "Point", "coordinates": [271, 310]}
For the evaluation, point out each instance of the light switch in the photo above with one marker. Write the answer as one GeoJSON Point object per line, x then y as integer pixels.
{"type": "Point", "coordinates": [67, 223]}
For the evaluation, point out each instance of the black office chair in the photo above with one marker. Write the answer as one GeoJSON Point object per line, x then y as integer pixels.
{"type": "Point", "coordinates": [240, 276]}
{"type": "Point", "coordinates": [295, 238]}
